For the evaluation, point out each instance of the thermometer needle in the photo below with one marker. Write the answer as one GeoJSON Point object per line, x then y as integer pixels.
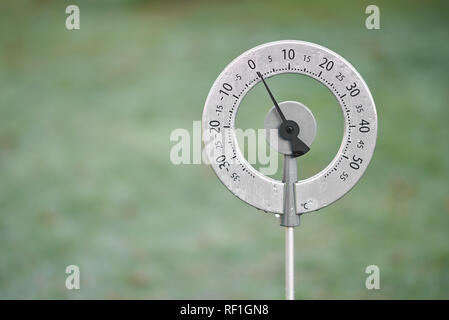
{"type": "Point", "coordinates": [272, 98]}
{"type": "Point", "coordinates": [288, 129]}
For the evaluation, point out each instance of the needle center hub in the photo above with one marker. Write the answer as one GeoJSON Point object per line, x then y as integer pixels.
{"type": "Point", "coordinates": [288, 129]}
{"type": "Point", "coordinates": [300, 123]}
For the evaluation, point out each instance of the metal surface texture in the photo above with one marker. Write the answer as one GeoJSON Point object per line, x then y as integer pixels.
{"type": "Point", "coordinates": [302, 58]}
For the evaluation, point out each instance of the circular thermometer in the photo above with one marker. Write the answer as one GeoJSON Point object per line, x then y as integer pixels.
{"type": "Point", "coordinates": [294, 123]}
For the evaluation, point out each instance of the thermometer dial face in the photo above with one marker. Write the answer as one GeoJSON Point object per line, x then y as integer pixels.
{"type": "Point", "coordinates": [271, 59]}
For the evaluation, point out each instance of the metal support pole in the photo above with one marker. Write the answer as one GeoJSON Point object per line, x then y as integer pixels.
{"type": "Point", "coordinates": [289, 264]}
{"type": "Point", "coordinates": [290, 177]}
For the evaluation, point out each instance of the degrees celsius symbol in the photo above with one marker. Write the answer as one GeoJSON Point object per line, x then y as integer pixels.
{"type": "Point", "coordinates": [295, 129]}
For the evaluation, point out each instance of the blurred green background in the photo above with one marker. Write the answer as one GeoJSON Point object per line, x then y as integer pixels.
{"type": "Point", "coordinates": [85, 176]}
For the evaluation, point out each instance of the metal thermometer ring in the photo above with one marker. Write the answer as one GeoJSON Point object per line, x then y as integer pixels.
{"type": "Point", "coordinates": [271, 59]}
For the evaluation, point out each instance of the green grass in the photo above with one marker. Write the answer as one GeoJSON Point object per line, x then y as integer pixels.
{"type": "Point", "coordinates": [85, 176]}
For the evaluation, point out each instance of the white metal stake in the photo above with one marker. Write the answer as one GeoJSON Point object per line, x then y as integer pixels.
{"type": "Point", "coordinates": [289, 264]}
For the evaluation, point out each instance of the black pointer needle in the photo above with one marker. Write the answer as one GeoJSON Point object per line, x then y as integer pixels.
{"type": "Point", "coordinates": [288, 129]}
{"type": "Point", "coordinates": [272, 98]}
